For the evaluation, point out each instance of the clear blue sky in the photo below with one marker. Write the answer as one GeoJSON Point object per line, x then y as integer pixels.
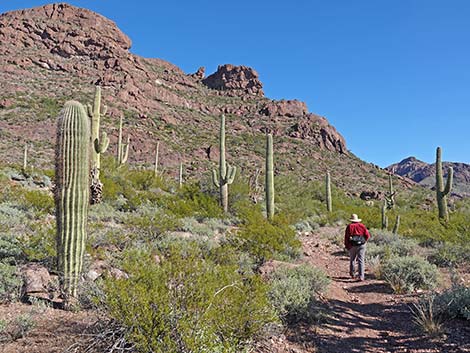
{"type": "Point", "coordinates": [393, 76]}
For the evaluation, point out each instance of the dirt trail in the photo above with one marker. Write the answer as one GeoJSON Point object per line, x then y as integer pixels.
{"type": "Point", "coordinates": [367, 316]}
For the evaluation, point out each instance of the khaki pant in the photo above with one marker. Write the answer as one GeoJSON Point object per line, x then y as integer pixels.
{"type": "Point", "coordinates": [357, 253]}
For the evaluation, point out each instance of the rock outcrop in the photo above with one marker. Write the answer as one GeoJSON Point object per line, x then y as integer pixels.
{"type": "Point", "coordinates": [52, 52]}
{"type": "Point", "coordinates": [236, 80]}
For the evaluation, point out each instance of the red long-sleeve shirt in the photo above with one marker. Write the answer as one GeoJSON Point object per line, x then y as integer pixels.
{"type": "Point", "coordinates": [355, 228]}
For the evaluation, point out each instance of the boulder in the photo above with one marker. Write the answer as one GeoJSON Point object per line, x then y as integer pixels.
{"type": "Point", "coordinates": [240, 80]}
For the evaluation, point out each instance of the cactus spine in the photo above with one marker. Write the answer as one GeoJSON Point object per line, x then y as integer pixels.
{"type": "Point", "coordinates": [269, 187]}
{"type": "Point", "coordinates": [397, 225]}
{"type": "Point", "coordinates": [329, 205]}
{"type": "Point", "coordinates": [442, 192]}
{"type": "Point", "coordinates": [123, 148]}
{"type": "Point", "coordinates": [156, 159]}
{"type": "Point", "coordinates": [390, 194]}
{"type": "Point", "coordinates": [226, 171]}
{"type": "Point", "coordinates": [71, 193]}
{"type": "Point", "coordinates": [99, 145]}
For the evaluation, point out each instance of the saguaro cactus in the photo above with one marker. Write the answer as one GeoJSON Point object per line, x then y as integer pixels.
{"type": "Point", "coordinates": [269, 186]}
{"type": "Point", "coordinates": [71, 193]}
{"type": "Point", "coordinates": [329, 205]}
{"type": "Point", "coordinates": [226, 171]}
{"type": "Point", "coordinates": [99, 145]}
{"type": "Point", "coordinates": [25, 160]}
{"type": "Point", "coordinates": [441, 191]}
{"type": "Point", "coordinates": [390, 194]}
{"type": "Point", "coordinates": [180, 179]}
{"type": "Point", "coordinates": [123, 148]}
{"type": "Point", "coordinates": [384, 216]}
{"type": "Point", "coordinates": [156, 159]}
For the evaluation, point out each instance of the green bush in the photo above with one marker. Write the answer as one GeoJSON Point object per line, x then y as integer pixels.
{"type": "Point", "coordinates": [406, 274]}
{"type": "Point", "coordinates": [385, 245]}
{"type": "Point", "coordinates": [191, 201]}
{"type": "Point", "coordinates": [449, 254]}
{"type": "Point", "coordinates": [10, 249]}
{"type": "Point", "coordinates": [10, 283]}
{"type": "Point", "coordinates": [455, 302]}
{"type": "Point", "coordinates": [294, 292]}
{"type": "Point", "coordinates": [187, 303]}
{"type": "Point", "coordinates": [263, 239]}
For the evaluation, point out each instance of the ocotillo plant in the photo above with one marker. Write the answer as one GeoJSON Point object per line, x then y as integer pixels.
{"type": "Point", "coordinates": [269, 185]}
{"type": "Point", "coordinates": [329, 205]}
{"type": "Point", "coordinates": [442, 192]}
{"type": "Point", "coordinates": [226, 171]}
{"type": "Point", "coordinates": [71, 193]}
{"type": "Point", "coordinates": [390, 194]}
{"type": "Point", "coordinates": [397, 225]}
{"type": "Point", "coordinates": [384, 216]}
{"type": "Point", "coordinates": [156, 159]}
{"type": "Point", "coordinates": [123, 148]}
{"type": "Point", "coordinates": [99, 145]}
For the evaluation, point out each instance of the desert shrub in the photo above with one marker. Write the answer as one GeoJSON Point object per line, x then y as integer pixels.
{"type": "Point", "coordinates": [455, 302]}
{"type": "Point", "coordinates": [10, 283]}
{"type": "Point", "coordinates": [38, 200]}
{"type": "Point", "coordinates": [427, 316]}
{"type": "Point", "coordinates": [202, 227]}
{"type": "Point", "coordinates": [21, 326]}
{"type": "Point", "coordinates": [192, 201]}
{"type": "Point", "coordinates": [385, 245]}
{"type": "Point", "coordinates": [149, 221]}
{"type": "Point", "coordinates": [294, 292]}
{"type": "Point", "coordinates": [406, 274]}
{"type": "Point", "coordinates": [265, 239]}
{"type": "Point", "coordinates": [10, 249]}
{"type": "Point", "coordinates": [39, 243]}
{"type": "Point", "coordinates": [450, 254]}
{"type": "Point", "coordinates": [12, 215]}
{"type": "Point", "coordinates": [187, 304]}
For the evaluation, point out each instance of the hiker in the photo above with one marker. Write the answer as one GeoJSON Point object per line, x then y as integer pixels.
{"type": "Point", "coordinates": [355, 238]}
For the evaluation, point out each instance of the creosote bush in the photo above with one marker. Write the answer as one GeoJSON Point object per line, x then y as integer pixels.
{"type": "Point", "coordinates": [187, 303]}
{"type": "Point", "coordinates": [294, 292]}
{"type": "Point", "coordinates": [265, 239]}
{"type": "Point", "coordinates": [409, 273]}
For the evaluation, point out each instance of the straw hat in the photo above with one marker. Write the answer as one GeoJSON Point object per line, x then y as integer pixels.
{"type": "Point", "coordinates": [354, 218]}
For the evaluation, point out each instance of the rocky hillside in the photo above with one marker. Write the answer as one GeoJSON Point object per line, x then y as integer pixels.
{"type": "Point", "coordinates": [57, 52]}
{"type": "Point", "coordinates": [425, 174]}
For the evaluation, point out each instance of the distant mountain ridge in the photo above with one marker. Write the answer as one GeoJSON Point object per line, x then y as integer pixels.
{"type": "Point", "coordinates": [425, 174]}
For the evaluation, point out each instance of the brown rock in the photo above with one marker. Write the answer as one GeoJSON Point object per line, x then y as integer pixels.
{"type": "Point", "coordinates": [237, 79]}
{"type": "Point", "coordinates": [317, 128]}
{"type": "Point", "coordinates": [199, 74]}
{"type": "Point", "coordinates": [288, 108]}
{"type": "Point", "coordinates": [36, 280]}
{"type": "Point", "coordinates": [371, 195]}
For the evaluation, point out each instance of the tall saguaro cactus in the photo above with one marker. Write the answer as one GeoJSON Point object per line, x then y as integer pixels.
{"type": "Point", "coordinates": [226, 171]}
{"type": "Point", "coordinates": [123, 148]}
{"type": "Point", "coordinates": [71, 193]}
{"type": "Point", "coordinates": [390, 194]}
{"type": "Point", "coordinates": [384, 216]}
{"type": "Point", "coordinates": [441, 191]}
{"type": "Point", "coordinates": [269, 186]}
{"type": "Point", "coordinates": [156, 159]}
{"type": "Point", "coordinates": [329, 205]}
{"type": "Point", "coordinates": [99, 145]}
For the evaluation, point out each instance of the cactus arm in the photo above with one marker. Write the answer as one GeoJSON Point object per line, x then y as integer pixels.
{"type": "Point", "coordinates": [181, 175]}
{"type": "Point", "coordinates": [215, 178]}
{"type": "Point", "coordinates": [397, 225]}
{"type": "Point", "coordinates": [125, 150]}
{"type": "Point", "coordinates": [450, 179]}
{"type": "Point", "coordinates": [119, 148]}
{"type": "Point", "coordinates": [232, 171]}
